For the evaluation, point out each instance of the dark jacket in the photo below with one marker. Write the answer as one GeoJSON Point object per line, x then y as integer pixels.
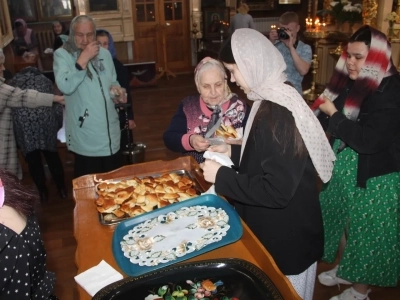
{"type": "Point", "coordinates": [123, 79]}
{"type": "Point", "coordinates": [375, 135]}
{"type": "Point", "coordinates": [276, 195]}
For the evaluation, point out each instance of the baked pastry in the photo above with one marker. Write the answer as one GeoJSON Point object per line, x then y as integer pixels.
{"type": "Point", "coordinates": [134, 196]}
{"type": "Point", "coordinates": [226, 132]}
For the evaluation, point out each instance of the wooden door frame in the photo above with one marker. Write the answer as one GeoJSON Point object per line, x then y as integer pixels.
{"type": "Point", "coordinates": [159, 11]}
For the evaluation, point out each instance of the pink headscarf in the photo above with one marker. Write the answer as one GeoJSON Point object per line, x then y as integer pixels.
{"type": "Point", "coordinates": [27, 31]}
{"type": "Point", "coordinates": [262, 67]}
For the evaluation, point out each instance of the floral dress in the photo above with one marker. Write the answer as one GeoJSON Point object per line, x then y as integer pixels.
{"type": "Point", "coordinates": [371, 218]}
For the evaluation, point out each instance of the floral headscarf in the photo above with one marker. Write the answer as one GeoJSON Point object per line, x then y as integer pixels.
{"type": "Point", "coordinates": [262, 67]}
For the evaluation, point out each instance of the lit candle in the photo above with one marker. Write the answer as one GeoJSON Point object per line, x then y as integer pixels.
{"type": "Point", "coordinates": [316, 24]}
{"type": "Point", "coordinates": [323, 26]}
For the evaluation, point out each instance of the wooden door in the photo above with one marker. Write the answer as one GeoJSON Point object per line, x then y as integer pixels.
{"type": "Point", "coordinates": [151, 18]}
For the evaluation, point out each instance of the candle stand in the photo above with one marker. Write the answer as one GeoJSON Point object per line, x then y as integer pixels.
{"type": "Point", "coordinates": [313, 92]}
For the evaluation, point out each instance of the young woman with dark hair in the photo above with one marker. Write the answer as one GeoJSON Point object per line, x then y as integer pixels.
{"type": "Point", "coordinates": [22, 252]}
{"type": "Point", "coordinates": [275, 185]}
{"type": "Point", "coordinates": [361, 108]}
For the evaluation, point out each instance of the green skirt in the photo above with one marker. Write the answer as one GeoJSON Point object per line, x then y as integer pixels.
{"type": "Point", "coordinates": [371, 217]}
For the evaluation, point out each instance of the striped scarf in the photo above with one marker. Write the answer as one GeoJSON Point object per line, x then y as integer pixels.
{"type": "Point", "coordinates": [378, 65]}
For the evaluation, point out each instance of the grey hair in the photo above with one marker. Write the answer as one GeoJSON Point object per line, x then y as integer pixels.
{"type": "Point", "coordinates": [70, 44]}
{"type": "Point", "coordinates": [213, 63]}
{"type": "Point", "coordinates": [71, 47]}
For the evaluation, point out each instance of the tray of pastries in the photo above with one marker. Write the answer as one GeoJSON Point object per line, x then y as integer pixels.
{"type": "Point", "coordinates": [121, 199]}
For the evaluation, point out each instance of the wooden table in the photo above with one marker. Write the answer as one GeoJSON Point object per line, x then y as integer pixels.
{"type": "Point", "coordinates": [94, 239]}
{"type": "Point", "coordinates": [23, 62]}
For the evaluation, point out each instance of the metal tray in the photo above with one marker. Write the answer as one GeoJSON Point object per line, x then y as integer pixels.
{"type": "Point", "coordinates": [115, 220]}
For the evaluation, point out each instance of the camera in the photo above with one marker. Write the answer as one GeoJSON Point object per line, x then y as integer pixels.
{"type": "Point", "coordinates": [282, 34]}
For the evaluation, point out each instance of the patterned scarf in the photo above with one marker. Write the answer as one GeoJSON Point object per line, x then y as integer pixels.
{"type": "Point", "coordinates": [378, 65]}
{"type": "Point", "coordinates": [262, 67]}
{"type": "Point", "coordinates": [71, 47]}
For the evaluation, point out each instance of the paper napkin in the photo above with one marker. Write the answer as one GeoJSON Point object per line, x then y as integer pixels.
{"type": "Point", "coordinates": [94, 279]}
{"type": "Point", "coordinates": [219, 158]}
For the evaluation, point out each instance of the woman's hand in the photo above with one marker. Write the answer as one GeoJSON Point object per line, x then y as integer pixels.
{"type": "Point", "coordinates": [132, 124]}
{"type": "Point", "coordinates": [198, 143]}
{"type": "Point", "coordinates": [59, 99]}
{"type": "Point", "coordinates": [224, 149]}
{"type": "Point", "coordinates": [233, 141]}
{"type": "Point", "coordinates": [118, 94]}
{"type": "Point", "coordinates": [327, 107]}
{"type": "Point", "coordinates": [90, 51]}
{"type": "Point", "coordinates": [210, 169]}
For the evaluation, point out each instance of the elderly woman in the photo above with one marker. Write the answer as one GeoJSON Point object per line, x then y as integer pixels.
{"type": "Point", "coordinates": [85, 74]}
{"type": "Point", "coordinates": [197, 114]}
{"type": "Point", "coordinates": [361, 109]}
{"type": "Point", "coordinates": [24, 38]}
{"type": "Point", "coordinates": [36, 132]}
{"type": "Point", "coordinates": [11, 97]}
{"type": "Point", "coordinates": [284, 148]}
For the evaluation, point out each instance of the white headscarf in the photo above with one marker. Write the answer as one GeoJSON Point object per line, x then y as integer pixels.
{"type": "Point", "coordinates": [262, 67]}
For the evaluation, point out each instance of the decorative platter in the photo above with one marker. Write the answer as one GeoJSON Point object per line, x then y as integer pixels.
{"type": "Point", "coordinates": [174, 233]}
{"type": "Point", "coordinates": [218, 279]}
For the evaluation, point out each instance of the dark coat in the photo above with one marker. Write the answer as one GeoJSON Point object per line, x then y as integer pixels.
{"type": "Point", "coordinates": [375, 135]}
{"type": "Point", "coordinates": [276, 195]}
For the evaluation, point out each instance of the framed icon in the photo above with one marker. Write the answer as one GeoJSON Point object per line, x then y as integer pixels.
{"type": "Point", "coordinates": [216, 22]}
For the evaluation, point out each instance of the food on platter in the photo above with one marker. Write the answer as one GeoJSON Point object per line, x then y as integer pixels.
{"type": "Point", "coordinates": [118, 200]}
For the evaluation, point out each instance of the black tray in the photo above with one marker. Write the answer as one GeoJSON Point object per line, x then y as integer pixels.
{"type": "Point", "coordinates": [240, 279]}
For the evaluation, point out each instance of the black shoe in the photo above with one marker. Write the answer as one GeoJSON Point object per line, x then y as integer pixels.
{"type": "Point", "coordinates": [63, 193]}
{"type": "Point", "coordinates": [44, 195]}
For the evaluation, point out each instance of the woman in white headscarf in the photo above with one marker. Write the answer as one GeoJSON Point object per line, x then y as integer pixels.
{"type": "Point", "coordinates": [275, 188]}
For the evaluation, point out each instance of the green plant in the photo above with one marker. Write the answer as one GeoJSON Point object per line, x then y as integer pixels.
{"type": "Point", "coordinates": [343, 11]}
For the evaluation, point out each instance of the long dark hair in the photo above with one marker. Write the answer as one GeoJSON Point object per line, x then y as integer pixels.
{"type": "Point", "coordinates": [17, 195]}
{"type": "Point", "coordinates": [283, 129]}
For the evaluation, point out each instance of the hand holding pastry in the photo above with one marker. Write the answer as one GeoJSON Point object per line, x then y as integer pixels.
{"type": "Point", "coordinates": [118, 94]}
{"type": "Point", "coordinates": [198, 143]}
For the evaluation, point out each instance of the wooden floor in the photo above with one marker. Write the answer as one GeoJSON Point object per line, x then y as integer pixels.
{"type": "Point", "coordinates": [153, 107]}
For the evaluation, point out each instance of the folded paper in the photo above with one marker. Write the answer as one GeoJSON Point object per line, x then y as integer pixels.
{"type": "Point", "coordinates": [94, 279]}
{"type": "Point", "coordinates": [219, 158]}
